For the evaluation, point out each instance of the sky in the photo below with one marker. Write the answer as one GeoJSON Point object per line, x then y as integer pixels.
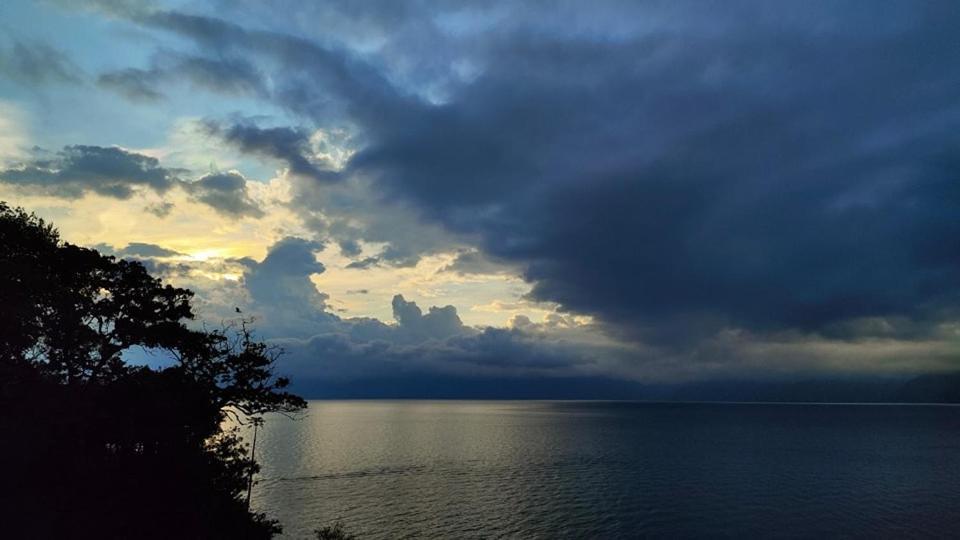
{"type": "Point", "coordinates": [411, 194]}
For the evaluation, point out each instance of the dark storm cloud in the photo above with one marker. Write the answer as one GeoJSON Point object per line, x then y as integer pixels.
{"type": "Point", "coordinates": [76, 170]}
{"type": "Point", "coordinates": [752, 176]}
{"type": "Point", "coordinates": [292, 146]}
{"type": "Point", "coordinates": [339, 356]}
{"type": "Point", "coordinates": [511, 348]}
{"type": "Point", "coordinates": [350, 86]}
{"type": "Point", "coordinates": [36, 63]}
{"type": "Point", "coordinates": [738, 164]}
{"type": "Point", "coordinates": [225, 192]}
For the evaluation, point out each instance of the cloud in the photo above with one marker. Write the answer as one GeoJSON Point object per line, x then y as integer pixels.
{"type": "Point", "coordinates": [293, 313]}
{"type": "Point", "coordinates": [137, 250]}
{"type": "Point", "coordinates": [119, 173]}
{"type": "Point", "coordinates": [153, 257]}
{"type": "Point", "coordinates": [681, 173]}
{"type": "Point", "coordinates": [161, 209]}
{"type": "Point", "coordinates": [339, 356]}
{"type": "Point", "coordinates": [281, 289]}
{"type": "Point", "coordinates": [431, 344]}
{"type": "Point", "coordinates": [364, 263]}
{"type": "Point", "coordinates": [438, 323]}
{"type": "Point", "coordinates": [225, 192]}
{"type": "Point", "coordinates": [355, 86]}
{"type": "Point", "coordinates": [224, 75]}
{"type": "Point", "coordinates": [134, 84]}
{"type": "Point", "coordinates": [290, 70]}
{"type": "Point", "coordinates": [390, 256]}
{"type": "Point", "coordinates": [36, 63]}
{"type": "Point", "coordinates": [474, 262]}
{"type": "Point", "coordinates": [292, 146]}
{"type": "Point", "coordinates": [142, 249]}
{"type": "Point", "coordinates": [230, 75]}
{"type": "Point", "coordinates": [678, 183]}
{"type": "Point", "coordinates": [350, 247]}
{"type": "Point", "coordinates": [76, 170]}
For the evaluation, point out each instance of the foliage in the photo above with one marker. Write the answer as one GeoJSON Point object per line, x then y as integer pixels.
{"type": "Point", "coordinates": [97, 447]}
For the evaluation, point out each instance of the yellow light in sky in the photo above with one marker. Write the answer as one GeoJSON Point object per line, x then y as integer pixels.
{"type": "Point", "coordinates": [205, 254]}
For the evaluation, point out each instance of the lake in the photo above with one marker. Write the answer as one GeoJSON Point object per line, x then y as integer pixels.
{"type": "Point", "coordinates": [542, 469]}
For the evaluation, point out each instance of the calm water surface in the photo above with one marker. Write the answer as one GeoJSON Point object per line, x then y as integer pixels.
{"type": "Point", "coordinates": [461, 469]}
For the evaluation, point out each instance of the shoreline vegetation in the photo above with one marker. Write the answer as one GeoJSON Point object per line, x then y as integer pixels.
{"type": "Point", "coordinates": [96, 447]}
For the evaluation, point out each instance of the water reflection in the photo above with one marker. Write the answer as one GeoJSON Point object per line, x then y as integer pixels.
{"type": "Point", "coordinates": [391, 469]}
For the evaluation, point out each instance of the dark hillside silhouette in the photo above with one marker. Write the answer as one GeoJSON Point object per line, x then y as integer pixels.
{"type": "Point", "coordinates": [95, 448]}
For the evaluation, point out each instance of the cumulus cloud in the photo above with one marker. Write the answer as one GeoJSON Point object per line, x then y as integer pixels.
{"type": "Point", "coordinates": [76, 170]}
{"type": "Point", "coordinates": [438, 323]}
{"type": "Point", "coordinates": [119, 173]}
{"type": "Point", "coordinates": [281, 289]}
{"type": "Point", "coordinates": [429, 345]}
{"type": "Point", "coordinates": [292, 312]}
{"type": "Point", "coordinates": [491, 352]}
{"type": "Point", "coordinates": [225, 192]}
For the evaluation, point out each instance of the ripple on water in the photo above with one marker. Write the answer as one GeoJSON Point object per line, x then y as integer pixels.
{"type": "Point", "coordinates": [568, 470]}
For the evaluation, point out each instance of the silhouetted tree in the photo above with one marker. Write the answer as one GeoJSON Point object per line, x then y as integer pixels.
{"type": "Point", "coordinates": [94, 447]}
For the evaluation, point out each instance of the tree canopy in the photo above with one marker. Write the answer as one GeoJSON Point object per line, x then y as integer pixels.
{"type": "Point", "coordinates": [96, 446]}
